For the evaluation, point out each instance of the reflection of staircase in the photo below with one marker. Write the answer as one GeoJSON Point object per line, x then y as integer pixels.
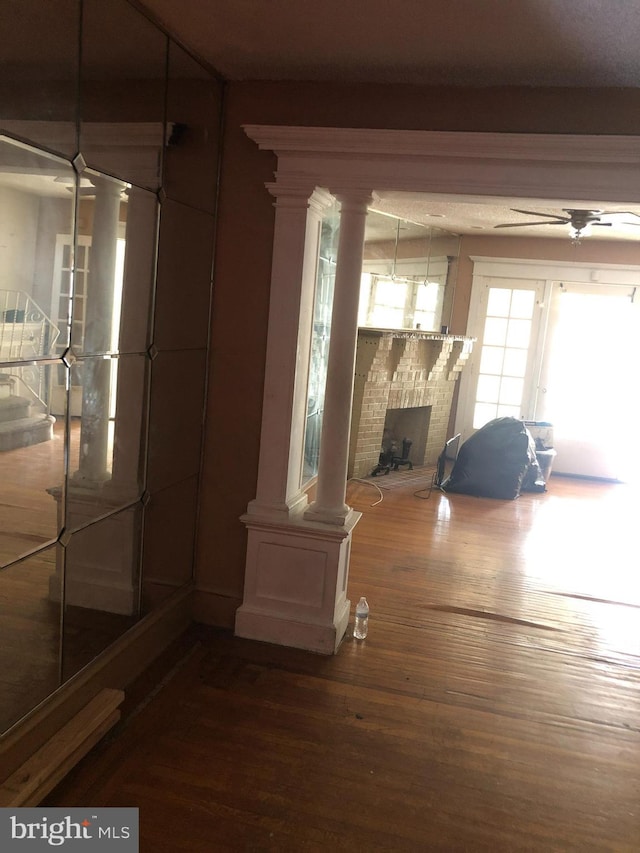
{"type": "Point", "coordinates": [26, 335]}
{"type": "Point", "coordinates": [20, 426]}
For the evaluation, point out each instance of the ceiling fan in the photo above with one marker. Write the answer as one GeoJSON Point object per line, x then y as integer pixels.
{"type": "Point", "coordinates": [579, 221]}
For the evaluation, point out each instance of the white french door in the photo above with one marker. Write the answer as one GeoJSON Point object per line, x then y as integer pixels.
{"type": "Point", "coordinates": [501, 378]}
{"type": "Point", "coordinates": [507, 345]}
{"type": "Point", "coordinates": [553, 346]}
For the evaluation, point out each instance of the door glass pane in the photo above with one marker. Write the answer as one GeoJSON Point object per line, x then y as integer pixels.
{"type": "Point", "coordinates": [522, 303]}
{"type": "Point", "coordinates": [508, 412]}
{"type": "Point", "coordinates": [518, 333]}
{"type": "Point", "coordinates": [491, 359]}
{"type": "Point", "coordinates": [483, 412]}
{"type": "Point", "coordinates": [515, 362]}
{"type": "Point", "coordinates": [495, 331]}
{"type": "Point", "coordinates": [488, 388]}
{"type": "Point", "coordinates": [511, 391]}
{"type": "Point", "coordinates": [498, 302]}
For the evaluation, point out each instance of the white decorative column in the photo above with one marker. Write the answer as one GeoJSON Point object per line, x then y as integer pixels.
{"type": "Point", "coordinates": [297, 239]}
{"type": "Point", "coordinates": [329, 505]}
{"type": "Point", "coordinates": [297, 563]}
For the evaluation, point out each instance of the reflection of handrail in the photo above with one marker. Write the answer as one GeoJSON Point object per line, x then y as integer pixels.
{"type": "Point", "coordinates": [26, 334]}
{"type": "Point", "coordinates": [26, 387]}
{"type": "Point", "coordinates": [25, 330]}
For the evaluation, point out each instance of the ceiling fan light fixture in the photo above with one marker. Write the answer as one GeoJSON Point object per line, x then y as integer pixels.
{"type": "Point", "coordinates": [578, 232]}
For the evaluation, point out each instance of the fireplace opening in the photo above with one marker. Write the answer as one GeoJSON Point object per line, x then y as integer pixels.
{"type": "Point", "coordinates": [407, 424]}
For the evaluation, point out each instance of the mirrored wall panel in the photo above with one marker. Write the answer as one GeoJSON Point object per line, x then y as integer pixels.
{"type": "Point", "coordinates": [107, 438]}
{"type": "Point", "coordinates": [193, 119]}
{"type": "Point", "coordinates": [30, 594]}
{"type": "Point", "coordinates": [39, 80]}
{"type": "Point", "coordinates": [37, 201]}
{"type": "Point", "coordinates": [37, 207]}
{"type": "Point", "coordinates": [101, 569]}
{"type": "Point", "coordinates": [32, 467]}
{"type": "Point", "coordinates": [114, 266]}
{"type": "Point", "coordinates": [122, 92]}
{"type": "Point", "coordinates": [106, 128]}
{"type": "Point", "coordinates": [170, 519]}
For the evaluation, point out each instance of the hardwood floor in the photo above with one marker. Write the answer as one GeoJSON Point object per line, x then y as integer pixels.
{"type": "Point", "coordinates": [494, 706]}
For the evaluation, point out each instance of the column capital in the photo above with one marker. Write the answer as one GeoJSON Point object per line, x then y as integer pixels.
{"type": "Point", "coordinates": [106, 184]}
{"type": "Point", "coordinates": [299, 194]}
{"type": "Point", "coordinates": [352, 198]}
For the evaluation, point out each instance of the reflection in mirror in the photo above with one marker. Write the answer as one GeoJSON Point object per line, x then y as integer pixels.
{"type": "Point", "coordinates": [106, 450]}
{"type": "Point", "coordinates": [37, 196]}
{"type": "Point", "coordinates": [29, 635]}
{"type": "Point", "coordinates": [122, 74]}
{"type": "Point", "coordinates": [37, 201]}
{"type": "Point", "coordinates": [78, 251]}
{"type": "Point", "coordinates": [114, 269]}
{"type": "Point", "coordinates": [101, 589]}
{"type": "Point", "coordinates": [32, 464]}
{"type": "Point", "coordinates": [100, 265]}
{"type": "Point", "coordinates": [408, 274]}
{"type": "Point", "coordinates": [39, 80]}
{"type": "Point", "coordinates": [169, 536]}
{"type": "Point", "coordinates": [37, 193]}
{"type": "Point", "coordinates": [323, 304]}
{"type": "Point", "coordinates": [193, 118]}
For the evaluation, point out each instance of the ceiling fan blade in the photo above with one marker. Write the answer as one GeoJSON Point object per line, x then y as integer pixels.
{"type": "Point", "coordinates": [609, 224]}
{"type": "Point", "coordinates": [538, 213]}
{"type": "Point", "coordinates": [620, 213]}
{"type": "Point", "coordinates": [526, 224]}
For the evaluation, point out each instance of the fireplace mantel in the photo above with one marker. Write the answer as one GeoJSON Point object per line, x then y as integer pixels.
{"type": "Point", "coordinates": [411, 334]}
{"type": "Point", "coordinates": [402, 369]}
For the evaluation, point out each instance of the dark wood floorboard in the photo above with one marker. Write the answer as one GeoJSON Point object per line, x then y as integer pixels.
{"type": "Point", "coordinates": [494, 706]}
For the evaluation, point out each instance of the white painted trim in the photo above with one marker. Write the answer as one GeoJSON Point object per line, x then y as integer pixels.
{"type": "Point", "coordinates": [527, 268]}
{"type": "Point", "coordinates": [448, 144]}
{"type": "Point", "coordinates": [462, 166]}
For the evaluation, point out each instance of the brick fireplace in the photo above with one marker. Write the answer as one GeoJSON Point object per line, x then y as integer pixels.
{"type": "Point", "coordinates": [404, 382]}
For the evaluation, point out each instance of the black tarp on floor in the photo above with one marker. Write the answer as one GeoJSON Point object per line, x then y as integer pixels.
{"type": "Point", "coordinates": [498, 461]}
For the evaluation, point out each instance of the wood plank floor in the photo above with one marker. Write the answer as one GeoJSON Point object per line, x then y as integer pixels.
{"type": "Point", "coordinates": [495, 705]}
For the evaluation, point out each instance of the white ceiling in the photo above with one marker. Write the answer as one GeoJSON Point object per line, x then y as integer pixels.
{"type": "Point", "coordinates": [481, 219]}
{"type": "Point", "coordinates": [558, 43]}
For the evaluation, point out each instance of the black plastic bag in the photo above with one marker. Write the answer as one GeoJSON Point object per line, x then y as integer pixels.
{"type": "Point", "coordinates": [498, 461]}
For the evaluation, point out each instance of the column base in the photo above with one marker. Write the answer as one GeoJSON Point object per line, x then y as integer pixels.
{"type": "Point", "coordinates": [296, 583]}
{"type": "Point", "coordinates": [272, 628]}
{"type": "Point", "coordinates": [279, 512]}
{"type": "Point", "coordinates": [328, 516]}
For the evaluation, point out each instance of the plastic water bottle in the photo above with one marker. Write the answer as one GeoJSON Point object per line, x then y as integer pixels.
{"type": "Point", "coordinates": [361, 626]}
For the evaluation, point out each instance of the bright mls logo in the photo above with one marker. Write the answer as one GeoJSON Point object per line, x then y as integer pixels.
{"type": "Point", "coordinates": [70, 829]}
